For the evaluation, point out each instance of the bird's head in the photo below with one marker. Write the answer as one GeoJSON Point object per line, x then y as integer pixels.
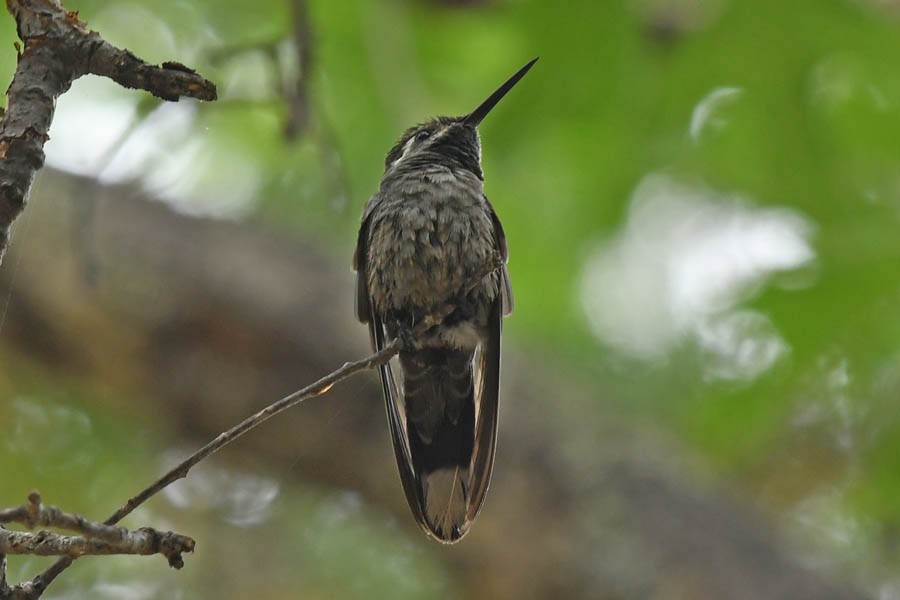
{"type": "Point", "coordinates": [450, 141]}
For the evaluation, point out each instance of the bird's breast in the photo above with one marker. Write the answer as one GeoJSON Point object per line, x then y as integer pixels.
{"type": "Point", "coordinates": [429, 237]}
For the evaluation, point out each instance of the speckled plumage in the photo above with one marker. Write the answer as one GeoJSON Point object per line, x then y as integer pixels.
{"type": "Point", "coordinates": [425, 236]}
{"type": "Point", "coordinates": [431, 232]}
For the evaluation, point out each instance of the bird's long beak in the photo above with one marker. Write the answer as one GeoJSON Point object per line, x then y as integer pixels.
{"type": "Point", "coordinates": [475, 117]}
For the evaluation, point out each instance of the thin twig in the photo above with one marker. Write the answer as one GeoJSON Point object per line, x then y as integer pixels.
{"type": "Point", "coordinates": [315, 389]}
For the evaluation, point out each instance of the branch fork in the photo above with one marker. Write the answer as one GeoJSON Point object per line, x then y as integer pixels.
{"type": "Point", "coordinates": [94, 538]}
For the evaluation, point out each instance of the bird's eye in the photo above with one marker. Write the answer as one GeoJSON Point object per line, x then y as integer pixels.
{"type": "Point", "coordinates": [423, 135]}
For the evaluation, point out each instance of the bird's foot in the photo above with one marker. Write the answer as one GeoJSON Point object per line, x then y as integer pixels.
{"type": "Point", "coordinates": [407, 337]}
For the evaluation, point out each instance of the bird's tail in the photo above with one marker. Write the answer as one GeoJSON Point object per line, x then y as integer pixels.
{"type": "Point", "coordinates": [439, 400]}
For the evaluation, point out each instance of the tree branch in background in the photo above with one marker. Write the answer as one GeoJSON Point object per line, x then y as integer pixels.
{"type": "Point", "coordinates": [58, 49]}
{"type": "Point", "coordinates": [297, 94]}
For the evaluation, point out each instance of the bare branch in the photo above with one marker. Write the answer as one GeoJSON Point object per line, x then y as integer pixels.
{"type": "Point", "coordinates": [315, 389]}
{"type": "Point", "coordinates": [58, 48]}
{"type": "Point", "coordinates": [144, 541]}
{"type": "Point", "coordinates": [35, 514]}
{"type": "Point", "coordinates": [97, 538]}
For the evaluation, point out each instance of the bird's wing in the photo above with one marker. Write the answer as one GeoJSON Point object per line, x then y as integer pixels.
{"type": "Point", "coordinates": [487, 392]}
{"type": "Point", "coordinates": [500, 240]}
{"type": "Point", "coordinates": [399, 437]}
{"type": "Point", "coordinates": [361, 303]}
{"type": "Point", "coordinates": [487, 381]}
{"type": "Point", "coordinates": [396, 413]}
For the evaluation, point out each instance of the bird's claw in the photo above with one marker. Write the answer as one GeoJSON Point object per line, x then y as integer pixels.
{"type": "Point", "coordinates": [406, 338]}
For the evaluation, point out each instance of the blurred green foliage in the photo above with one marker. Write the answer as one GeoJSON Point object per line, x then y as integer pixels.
{"type": "Point", "coordinates": [816, 128]}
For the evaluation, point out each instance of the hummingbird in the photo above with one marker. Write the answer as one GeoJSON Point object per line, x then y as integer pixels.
{"type": "Point", "coordinates": [425, 238]}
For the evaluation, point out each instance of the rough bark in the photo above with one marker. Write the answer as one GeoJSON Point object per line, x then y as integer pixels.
{"type": "Point", "coordinates": [58, 49]}
{"type": "Point", "coordinates": [95, 539]}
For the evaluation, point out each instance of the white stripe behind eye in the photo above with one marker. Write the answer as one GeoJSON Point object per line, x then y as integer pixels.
{"type": "Point", "coordinates": [406, 149]}
{"type": "Point", "coordinates": [440, 132]}
{"type": "Point", "coordinates": [411, 142]}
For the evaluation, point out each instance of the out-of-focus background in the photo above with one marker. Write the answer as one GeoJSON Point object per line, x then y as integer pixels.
{"type": "Point", "coordinates": [701, 378]}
